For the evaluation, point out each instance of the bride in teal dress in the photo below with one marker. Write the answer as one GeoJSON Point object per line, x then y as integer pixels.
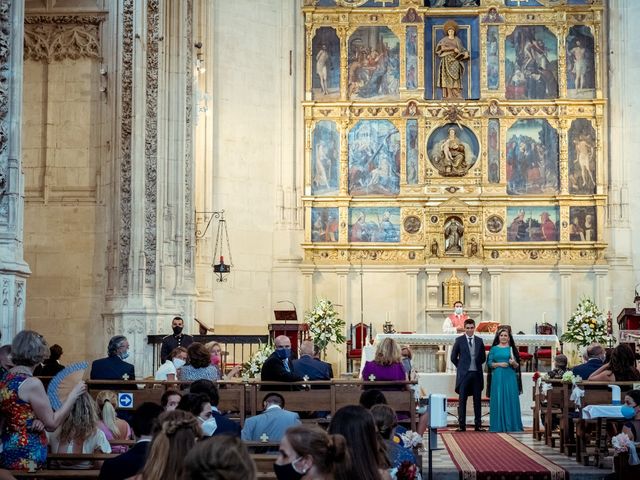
{"type": "Point", "coordinates": [503, 384]}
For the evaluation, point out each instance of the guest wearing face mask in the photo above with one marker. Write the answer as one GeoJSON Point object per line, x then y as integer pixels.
{"type": "Point", "coordinates": [631, 411]}
{"type": "Point", "coordinates": [168, 371]}
{"type": "Point", "coordinates": [200, 406]}
{"type": "Point", "coordinates": [278, 367]}
{"type": "Point", "coordinates": [114, 366]}
{"type": "Point", "coordinates": [177, 339]}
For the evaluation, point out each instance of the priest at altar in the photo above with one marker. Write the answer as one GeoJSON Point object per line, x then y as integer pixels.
{"type": "Point", "coordinates": [454, 323]}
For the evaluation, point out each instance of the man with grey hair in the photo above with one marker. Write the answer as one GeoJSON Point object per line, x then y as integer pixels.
{"type": "Point", "coordinates": [309, 366]}
{"type": "Point", "coordinates": [114, 367]}
{"type": "Point", "coordinates": [594, 359]}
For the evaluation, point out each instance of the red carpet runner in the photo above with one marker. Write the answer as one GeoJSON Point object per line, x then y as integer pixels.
{"type": "Point", "coordinates": [498, 456]}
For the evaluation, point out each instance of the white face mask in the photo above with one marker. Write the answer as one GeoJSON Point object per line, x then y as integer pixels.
{"type": "Point", "coordinates": [208, 426]}
{"type": "Point", "coordinates": [178, 363]}
{"type": "Point", "coordinates": [458, 310]}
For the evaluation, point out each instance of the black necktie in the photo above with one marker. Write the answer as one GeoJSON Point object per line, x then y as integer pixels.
{"type": "Point", "coordinates": [471, 343]}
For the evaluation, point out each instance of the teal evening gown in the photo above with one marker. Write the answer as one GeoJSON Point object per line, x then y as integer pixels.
{"type": "Point", "coordinates": [504, 409]}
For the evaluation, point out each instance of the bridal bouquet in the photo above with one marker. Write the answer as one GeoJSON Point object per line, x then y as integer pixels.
{"type": "Point", "coordinates": [325, 326]}
{"type": "Point", "coordinates": [586, 325]}
{"type": "Point", "coordinates": [253, 367]}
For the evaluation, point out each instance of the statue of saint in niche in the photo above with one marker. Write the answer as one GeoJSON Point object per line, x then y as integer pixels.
{"type": "Point", "coordinates": [453, 233]}
{"type": "Point", "coordinates": [452, 54]}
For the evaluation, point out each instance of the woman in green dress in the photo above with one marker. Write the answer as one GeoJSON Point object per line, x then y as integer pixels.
{"type": "Point", "coordinates": [502, 384]}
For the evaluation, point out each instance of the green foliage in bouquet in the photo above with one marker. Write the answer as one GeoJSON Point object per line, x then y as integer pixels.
{"type": "Point", "coordinates": [586, 325]}
{"type": "Point", "coordinates": [325, 326]}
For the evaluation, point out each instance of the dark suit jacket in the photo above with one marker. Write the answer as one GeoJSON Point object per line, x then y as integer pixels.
{"type": "Point", "coordinates": [273, 370]}
{"type": "Point", "coordinates": [588, 368]}
{"type": "Point", "coordinates": [171, 341]}
{"type": "Point", "coordinates": [461, 358]}
{"type": "Point", "coordinates": [225, 425]}
{"type": "Point", "coordinates": [126, 465]}
{"type": "Point", "coordinates": [112, 368]}
{"type": "Point", "coordinates": [313, 368]}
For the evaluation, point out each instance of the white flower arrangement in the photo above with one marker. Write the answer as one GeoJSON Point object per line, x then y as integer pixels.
{"type": "Point", "coordinates": [325, 326]}
{"type": "Point", "coordinates": [587, 325]}
{"type": "Point", "coordinates": [411, 439]}
{"type": "Point", "coordinates": [253, 367]}
{"type": "Point", "coordinates": [569, 377]}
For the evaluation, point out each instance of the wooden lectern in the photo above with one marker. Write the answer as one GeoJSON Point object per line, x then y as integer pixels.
{"type": "Point", "coordinates": [287, 324]}
{"type": "Point", "coordinates": [628, 319]}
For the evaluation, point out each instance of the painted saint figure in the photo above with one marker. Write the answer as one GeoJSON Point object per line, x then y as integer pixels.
{"type": "Point", "coordinates": [452, 54]}
{"type": "Point", "coordinates": [579, 54]}
{"type": "Point", "coordinates": [322, 67]}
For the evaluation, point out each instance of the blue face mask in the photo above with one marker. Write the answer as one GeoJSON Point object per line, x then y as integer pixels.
{"type": "Point", "coordinates": [124, 355]}
{"type": "Point", "coordinates": [627, 411]}
{"type": "Point", "coordinates": [283, 353]}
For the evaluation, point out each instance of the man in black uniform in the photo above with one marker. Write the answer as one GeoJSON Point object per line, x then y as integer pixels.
{"type": "Point", "coordinates": [178, 339]}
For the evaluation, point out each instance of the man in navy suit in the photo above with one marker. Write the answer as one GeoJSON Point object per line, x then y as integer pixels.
{"type": "Point", "coordinates": [114, 367]}
{"type": "Point", "coordinates": [225, 426]}
{"type": "Point", "coordinates": [595, 357]}
{"type": "Point", "coordinates": [278, 367]}
{"type": "Point", "coordinates": [131, 462]}
{"type": "Point", "coordinates": [468, 355]}
{"type": "Point", "coordinates": [310, 367]}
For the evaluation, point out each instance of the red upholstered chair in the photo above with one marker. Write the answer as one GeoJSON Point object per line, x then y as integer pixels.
{"type": "Point", "coordinates": [525, 357]}
{"type": "Point", "coordinates": [545, 353]}
{"type": "Point", "coordinates": [359, 334]}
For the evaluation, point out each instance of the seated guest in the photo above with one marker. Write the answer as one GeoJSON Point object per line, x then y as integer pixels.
{"type": "Point", "coordinates": [219, 458]}
{"type": "Point", "coordinates": [51, 366]}
{"type": "Point", "coordinates": [272, 422]}
{"type": "Point", "coordinates": [79, 433]}
{"type": "Point", "coordinates": [373, 397]}
{"type": "Point", "coordinates": [5, 360]}
{"type": "Point", "coordinates": [198, 404]}
{"type": "Point", "coordinates": [113, 427]}
{"type": "Point", "coordinates": [594, 359]}
{"type": "Point", "coordinates": [174, 435]}
{"type": "Point", "coordinates": [310, 367]}
{"type": "Point", "coordinates": [560, 366]}
{"type": "Point", "coordinates": [215, 351]}
{"type": "Point", "coordinates": [621, 367]}
{"type": "Point", "coordinates": [308, 452]}
{"type": "Point", "coordinates": [632, 426]}
{"type": "Point", "coordinates": [114, 367]}
{"type": "Point", "coordinates": [225, 426]}
{"type": "Point", "coordinates": [386, 365]}
{"type": "Point", "coordinates": [168, 371]}
{"type": "Point", "coordinates": [277, 367]}
{"type": "Point", "coordinates": [368, 459]}
{"type": "Point", "coordinates": [198, 365]}
{"type": "Point", "coordinates": [178, 339]}
{"type": "Point", "coordinates": [407, 356]}
{"type": "Point", "coordinates": [170, 400]}
{"type": "Point", "coordinates": [131, 462]}
{"type": "Point", "coordinates": [386, 423]}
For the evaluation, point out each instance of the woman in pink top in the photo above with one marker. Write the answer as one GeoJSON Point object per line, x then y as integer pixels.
{"type": "Point", "coordinates": [113, 427]}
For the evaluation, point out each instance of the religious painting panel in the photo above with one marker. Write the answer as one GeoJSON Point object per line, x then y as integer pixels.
{"type": "Point", "coordinates": [581, 66]}
{"type": "Point", "coordinates": [451, 3]}
{"type": "Point", "coordinates": [325, 159]}
{"type": "Point", "coordinates": [532, 158]}
{"type": "Point", "coordinates": [584, 227]}
{"type": "Point", "coordinates": [453, 149]}
{"type": "Point", "coordinates": [374, 158]}
{"type": "Point", "coordinates": [582, 157]}
{"type": "Point", "coordinates": [493, 150]}
{"type": "Point", "coordinates": [326, 65]}
{"type": "Point", "coordinates": [523, 3]}
{"type": "Point", "coordinates": [374, 224]}
{"type": "Point", "coordinates": [533, 224]}
{"type": "Point", "coordinates": [452, 58]}
{"type": "Point", "coordinates": [531, 64]}
{"type": "Point", "coordinates": [493, 58]}
{"type": "Point", "coordinates": [374, 64]}
{"type": "Point", "coordinates": [324, 224]}
{"type": "Point", "coordinates": [411, 50]}
{"type": "Point", "coordinates": [412, 151]}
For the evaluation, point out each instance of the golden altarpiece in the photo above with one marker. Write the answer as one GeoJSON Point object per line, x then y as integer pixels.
{"type": "Point", "coordinates": [454, 134]}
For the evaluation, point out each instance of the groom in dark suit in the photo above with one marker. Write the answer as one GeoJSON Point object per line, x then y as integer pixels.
{"type": "Point", "coordinates": [468, 355]}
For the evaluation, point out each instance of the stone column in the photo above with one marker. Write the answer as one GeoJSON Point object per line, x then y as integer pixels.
{"type": "Point", "coordinates": [496, 294]}
{"type": "Point", "coordinates": [565, 299]}
{"type": "Point", "coordinates": [152, 243]}
{"type": "Point", "coordinates": [432, 293]}
{"type": "Point", "coordinates": [412, 300]}
{"type": "Point", "coordinates": [307, 279]}
{"type": "Point", "coordinates": [475, 288]}
{"type": "Point", "coordinates": [13, 269]}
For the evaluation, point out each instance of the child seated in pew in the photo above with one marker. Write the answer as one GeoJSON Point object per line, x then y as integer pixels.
{"type": "Point", "coordinates": [79, 434]}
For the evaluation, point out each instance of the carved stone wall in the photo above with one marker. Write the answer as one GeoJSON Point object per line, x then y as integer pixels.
{"type": "Point", "coordinates": [56, 38]}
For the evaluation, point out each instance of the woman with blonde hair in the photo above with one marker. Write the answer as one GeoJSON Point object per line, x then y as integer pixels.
{"type": "Point", "coordinates": [219, 458]}
{"type": "Point", "coordinates": [113, 427]}
{"type": "Point", "coordinates": [174, 435]}
{"type": "Point", "coordinates": [216, 360]}
{"type": "Point", "coordinates": [80, 433]}
{"type": "Point", "coordinates": [387, 364]}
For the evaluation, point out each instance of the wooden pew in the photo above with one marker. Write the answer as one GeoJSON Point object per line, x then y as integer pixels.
{"type": "Point", "coordinates": [56, 474]}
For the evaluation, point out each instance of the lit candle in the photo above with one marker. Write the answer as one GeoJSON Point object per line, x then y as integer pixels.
{"type": "Point", "coordinates": [544, 317]}
{"type": "Point", "coordinates": [221, 259]}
